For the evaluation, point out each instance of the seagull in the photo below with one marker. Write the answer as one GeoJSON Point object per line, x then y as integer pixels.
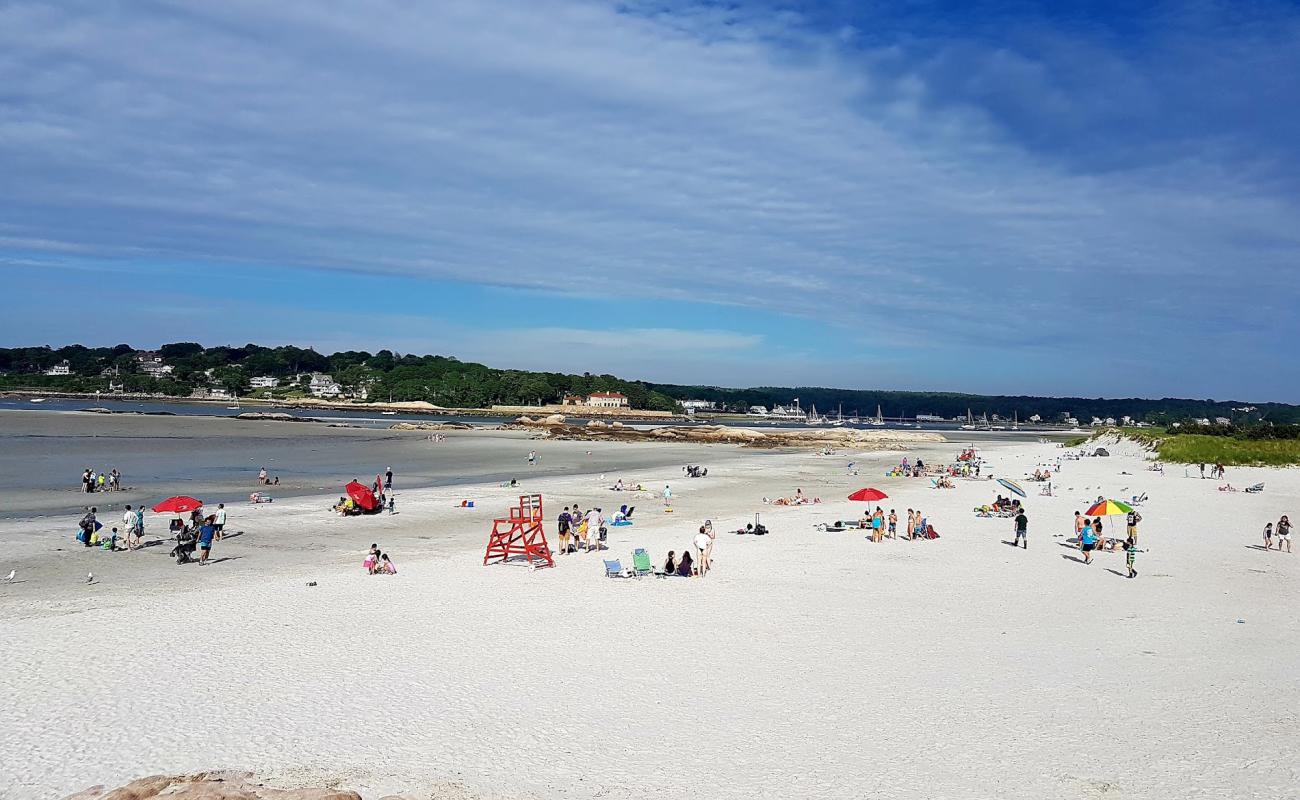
{"type": "Point", "coordinates": [90, 577]}
{"type": "Point", "coordinates": [10, 577]}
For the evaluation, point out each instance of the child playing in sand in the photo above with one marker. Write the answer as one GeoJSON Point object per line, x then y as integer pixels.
{"type": "Point", "coordinates": [386, 566]}
{"type": "Point", "coordinates": [372, 559]}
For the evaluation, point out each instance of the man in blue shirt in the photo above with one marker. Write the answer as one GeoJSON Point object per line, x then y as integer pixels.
{"type": "Point", "coordinates": [206, 533]}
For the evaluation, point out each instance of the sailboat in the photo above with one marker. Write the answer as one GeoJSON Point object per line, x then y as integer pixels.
{"type": "Point", "coordinates": [235, 407]}
{"type": "Point", "coordinates": [839, 417]}
{"type": "Point", "coordinates": [1015, 420]}
{"type": "Point", "coordinates": [878, 421]}
{"type": "Point", "coordinates": [970, 421]}
{"type": "Point", "coordinates": [813, 419]}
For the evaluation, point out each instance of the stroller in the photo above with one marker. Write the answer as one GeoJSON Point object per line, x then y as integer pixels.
{"type": "Point", "coordinates": [186, 543]}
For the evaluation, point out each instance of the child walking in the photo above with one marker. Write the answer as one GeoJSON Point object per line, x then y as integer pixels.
{"type": "Point", "coordinates": [1130, 555]}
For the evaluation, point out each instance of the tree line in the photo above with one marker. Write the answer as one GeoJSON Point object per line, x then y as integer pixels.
{"type": "Point", "coordinates": [447, 381]}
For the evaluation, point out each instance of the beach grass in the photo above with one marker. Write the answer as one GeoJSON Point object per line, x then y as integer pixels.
{"type": "Point", "coordinates": [1191, 448]}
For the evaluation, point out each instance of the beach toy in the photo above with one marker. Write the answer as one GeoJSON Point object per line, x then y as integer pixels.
{"type": "Point", "coordinates": [466, 503]}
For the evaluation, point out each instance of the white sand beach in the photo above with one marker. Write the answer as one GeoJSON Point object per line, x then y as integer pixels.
{"type": "Point", "coordinates": [808, 664]}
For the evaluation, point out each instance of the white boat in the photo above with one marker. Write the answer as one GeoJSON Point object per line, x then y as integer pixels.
{"type": "Point", "coordinates": [388, 413]}
{"type": "Point", "coordinates": [235, 407]}
{"type": "Point", "coordinates": [1015, 420]}
{"type": "Point", "coordinates": [878, 421]}
{"type": "Point", "coordinates": [37, 400]}
{"type": "Point", "coordinates": [970, 421]}
{"type": "Point", "coordinates": [839, 417]}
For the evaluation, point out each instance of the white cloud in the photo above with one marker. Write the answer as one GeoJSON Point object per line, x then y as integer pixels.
{"type": "Point", "coordinates": [692, 153]}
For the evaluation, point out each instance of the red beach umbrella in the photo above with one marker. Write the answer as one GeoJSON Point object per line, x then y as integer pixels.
{"type": "Point", "coordinates": [868, 495]}
{"type": "Point", "coordinates": [362, 496]}
{"type": "Point", "coordinates": [181, 504]}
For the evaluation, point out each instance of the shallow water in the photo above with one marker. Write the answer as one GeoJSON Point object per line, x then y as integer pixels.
{"type": "Point", "coordinates": [42, 456]}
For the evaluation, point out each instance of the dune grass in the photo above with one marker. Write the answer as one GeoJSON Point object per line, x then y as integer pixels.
{"type": "Point", "coordinates": [1191, 448]}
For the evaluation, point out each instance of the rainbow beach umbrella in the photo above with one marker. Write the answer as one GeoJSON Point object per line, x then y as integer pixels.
{"type": "Point", "coordinates": [1108, 508]}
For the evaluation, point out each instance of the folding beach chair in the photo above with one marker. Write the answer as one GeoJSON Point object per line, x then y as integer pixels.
{"type": "Point", "coordinates": [1256, 489]}
{"type": "Point", "coordinates": [614, 569]}
{"type": "Point", "coordinates": [641, 563]}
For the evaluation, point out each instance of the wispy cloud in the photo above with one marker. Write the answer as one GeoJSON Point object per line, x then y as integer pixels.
{"type": "Point", "coordinates": [1055, 183]}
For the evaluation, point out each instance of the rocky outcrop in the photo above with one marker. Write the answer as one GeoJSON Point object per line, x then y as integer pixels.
{"type": "Point", "coordinates": [543, 422]}
{"type": "Point", "coordinates": [274, 416]}
{"type": "Point", "coordinates": [430, 426]}
{"type": "Point", "coordinates": [722, 434]}
{"type": "Point", "coordinates": [208, 786]}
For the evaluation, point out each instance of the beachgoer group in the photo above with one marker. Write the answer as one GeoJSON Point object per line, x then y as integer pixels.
{"type": "Point", "coordinates": [92, 481]}
{"type": "Point", "coordinates": [378, 562]}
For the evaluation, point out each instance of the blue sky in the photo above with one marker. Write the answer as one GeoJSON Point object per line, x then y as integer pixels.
{"type": "Point", "coordinates": [991, 197]}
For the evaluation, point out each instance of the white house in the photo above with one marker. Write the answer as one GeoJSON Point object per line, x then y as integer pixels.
{"type": "Point", "coordinates": [1222, 421]}
{"type": "Point", "coordinates": [61, 368]}
{"type": "Point", "coordinates": [607, 400]}
{"type": "Point", "coordinates": [323, 385]}
{"type": "Point", "coordinates": [698, 405]}
{"type": "Point", "coordinates": [152, 365]}
{"type": "Point", "coordinates": [264, 382]}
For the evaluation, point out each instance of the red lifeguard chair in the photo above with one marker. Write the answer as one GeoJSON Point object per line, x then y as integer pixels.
{"type": "Point", "coordinates": [520, 534]}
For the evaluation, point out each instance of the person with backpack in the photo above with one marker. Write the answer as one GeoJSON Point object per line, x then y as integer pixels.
{"type": "Point", "coordinates": [563, 524]}
{"type": "Point", "coordinates": [87, 526]}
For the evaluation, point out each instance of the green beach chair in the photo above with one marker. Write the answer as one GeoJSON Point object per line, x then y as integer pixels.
{"type": "Point", "coordinates": [641, 563]}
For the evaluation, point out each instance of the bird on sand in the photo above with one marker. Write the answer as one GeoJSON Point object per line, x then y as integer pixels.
{"type": "Point", "coordinates": [10, 577]}
{"type": "Point", "coordinates": [90, 577]}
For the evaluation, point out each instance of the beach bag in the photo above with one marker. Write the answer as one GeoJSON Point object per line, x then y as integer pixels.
{"type": "Point", "coordinates": [930, 532]}
{"type": "Point", "coordinates": [603, 532]}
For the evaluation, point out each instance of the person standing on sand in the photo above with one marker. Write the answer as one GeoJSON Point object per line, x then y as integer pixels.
{"type": "Point", "coordinates": [1132, 520]}
{"type": "Point", "coordinates": [219, 520]}
{"type": "Point", "coordinates": [668, 495]}
{"type": "Point", "coordinates": [702, 542]}
{"type": "Point", "coordinates": [1088, 543]}
{"type": "Point", "coordinates": [1202, 466]}
{"type": "Point", "coordinates": [206, 533]}
{"type": "Point", "coordinates": [388, 479]}
{"type": "Point", "coordinates": [1080, 522]}
{"type": "Point", "coordinates": [1284, 533]}
{"type": "Point", "coordinates": [88, 525]}
{"type": "Point", "coordinates": [592, 528]}
{"type": "Point", "coordinates": [563, 523]}
{"type": "Point", "coordinates": [532, 457]}
{"type": "Point", "coordinates": [1130, 555]}
{"type": "Point", "coordinates": [911, 523]}
{"type": "Point", "coordinates": [128, 526]}
{"type": "Point", "coordinates": [1022, 530]}
{"type": "Point", "coordinates": [893, 524]}
{"type": "Point", "coordinates": [1268, 536]}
